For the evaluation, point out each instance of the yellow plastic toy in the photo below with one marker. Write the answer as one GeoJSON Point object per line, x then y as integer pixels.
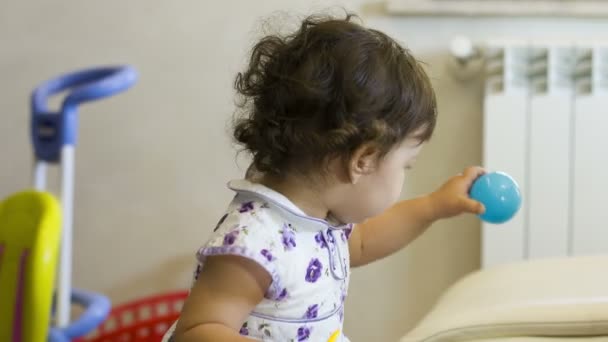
{"type": "Point", "coordinates": [30, 230]}
{"type": "Point", "coordinates": [334, 336]}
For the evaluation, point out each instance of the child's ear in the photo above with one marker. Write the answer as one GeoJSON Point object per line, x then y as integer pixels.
{"type": "Point", "coordinates": [362, 162]}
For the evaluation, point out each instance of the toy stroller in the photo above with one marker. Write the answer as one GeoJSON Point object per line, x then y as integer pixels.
{"type": "Point", "coordinates": [36, 230]}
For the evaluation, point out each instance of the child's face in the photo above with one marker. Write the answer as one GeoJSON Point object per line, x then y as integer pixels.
{"type": "Point", "coordinates": [376, 190]}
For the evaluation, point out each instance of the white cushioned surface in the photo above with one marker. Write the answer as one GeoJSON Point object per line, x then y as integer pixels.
{"type": "Point", "coordinates": [558, 297]}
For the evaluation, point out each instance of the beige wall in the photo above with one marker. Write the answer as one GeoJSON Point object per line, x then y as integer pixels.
{"type": "Point", "coordinates": [152, 163]}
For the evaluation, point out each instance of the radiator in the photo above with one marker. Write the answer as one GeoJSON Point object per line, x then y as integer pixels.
{"type": "Point", "coordinates": [546, 124]}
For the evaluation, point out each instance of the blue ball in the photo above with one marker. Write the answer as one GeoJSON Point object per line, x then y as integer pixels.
{"type": "Point", "coordinates": [500, 194]}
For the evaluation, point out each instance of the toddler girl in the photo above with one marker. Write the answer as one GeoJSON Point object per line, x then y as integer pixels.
{"type": "Point", "coordinates": [332, 114]}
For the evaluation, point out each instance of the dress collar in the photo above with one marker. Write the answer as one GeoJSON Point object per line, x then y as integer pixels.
{"type": "Point", "coordinates": [268, 194]}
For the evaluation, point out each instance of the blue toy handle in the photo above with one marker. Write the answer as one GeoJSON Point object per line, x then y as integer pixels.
{"type": "Point", "coordinates": [52, 130]}
{"type": "Point", "coordinates": [97, 308]}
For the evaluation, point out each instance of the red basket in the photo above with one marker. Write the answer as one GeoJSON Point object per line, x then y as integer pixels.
{"type": "Point", "coordinates": [144, 320]}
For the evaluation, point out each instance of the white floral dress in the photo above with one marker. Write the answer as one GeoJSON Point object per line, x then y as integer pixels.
{"type": "Point", "coordinates": [308, 260]}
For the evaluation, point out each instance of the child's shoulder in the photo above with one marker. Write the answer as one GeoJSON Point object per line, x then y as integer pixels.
{"type": "Point", "coordinates": [249, 222]}
{"type": "Point", "coordinates": [251, 230]}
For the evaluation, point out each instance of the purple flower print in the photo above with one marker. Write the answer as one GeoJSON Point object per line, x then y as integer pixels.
{"type": "Point", "coordinates": [348, 231]}
{"type": "Point", "coordinates": [289, 237]}
{"type": "Point", "coordinates": [312, 311]}
{"type": "Point", "coordinates": [244, 330]}
{"type": "Point", "coordinates": [265, 327]}
{"type": "Point", "coordinates": [320, 240]}
{"type": "Point", "coordinates": [345, 234]}
{"type": "Point", "coordinates": [303, 333]}
{"type": "Point", "coordinates": [220, 222]}
{"type": "Point", "coordinates": [245, 207]}
{"type": "Point", "coordinates": [314, 270]}
{"type": "Point", "coordinates": [266, 253]}
{"type": "Point", "coordinates": [282, 295]}
{"type": "Point", "coordinates": [330, 237]}
{"type": "Point", "coordinates": [231, 237]}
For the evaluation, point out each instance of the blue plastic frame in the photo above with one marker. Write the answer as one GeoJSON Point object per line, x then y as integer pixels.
{"type": "Point", "coordinates": [52, 130]}
{"type": "Point", "coordinates": [97, 308]}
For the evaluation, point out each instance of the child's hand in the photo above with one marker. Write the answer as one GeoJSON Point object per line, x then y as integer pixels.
{"type": "Point", "coordinates": [452, 198]}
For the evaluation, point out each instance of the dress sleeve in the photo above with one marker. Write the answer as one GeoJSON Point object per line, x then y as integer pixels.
{"type": "Point", "coordinates": [246, 232]}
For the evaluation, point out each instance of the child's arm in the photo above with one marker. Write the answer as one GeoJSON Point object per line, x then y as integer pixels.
{"type": "Point", "coordinates": [227, 290]}
{"type": "Point", "coordinates": [385, 234]}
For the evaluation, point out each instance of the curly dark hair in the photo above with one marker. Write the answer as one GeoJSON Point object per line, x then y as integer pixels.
{"type": "Point", "coordinates": [325, 90]}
